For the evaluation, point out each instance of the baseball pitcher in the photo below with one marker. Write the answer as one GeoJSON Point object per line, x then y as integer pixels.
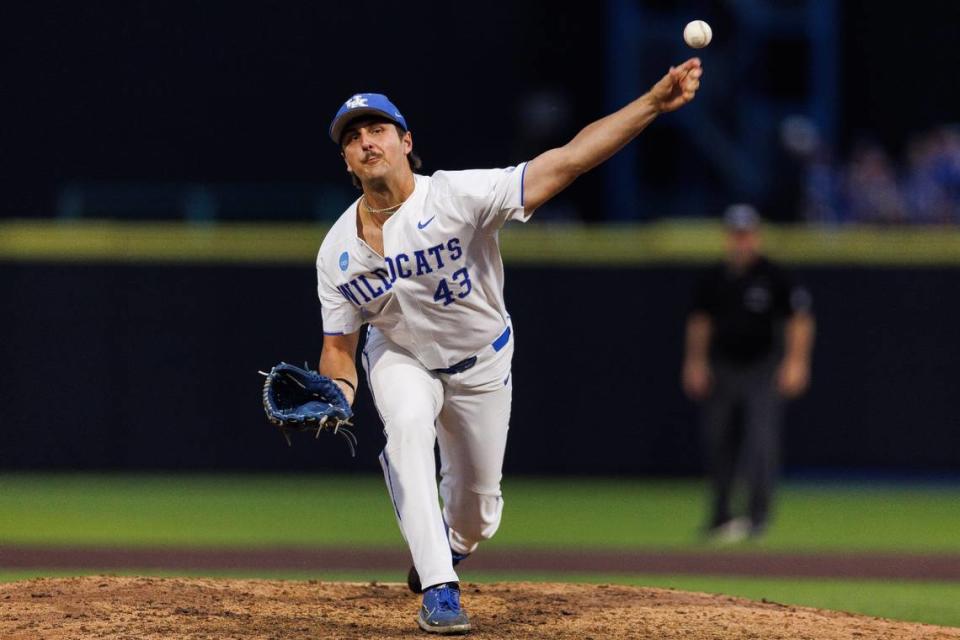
{"type": "Point", "coordinates": [416, 259]}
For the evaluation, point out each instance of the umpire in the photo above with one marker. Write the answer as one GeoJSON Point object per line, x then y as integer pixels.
{"type": "Point", "coordinates": [748, 341]}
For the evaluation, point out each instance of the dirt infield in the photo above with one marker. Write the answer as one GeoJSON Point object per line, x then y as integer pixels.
{"type": "Point", "coordinates": [897, 566]}
{"type": "Point", "coordinates": [194, 609]}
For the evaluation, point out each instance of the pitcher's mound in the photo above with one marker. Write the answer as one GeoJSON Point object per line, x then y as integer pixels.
{"type": "Point", "coordinates": [139, 608]}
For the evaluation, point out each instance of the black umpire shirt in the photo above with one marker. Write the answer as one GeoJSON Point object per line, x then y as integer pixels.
{"type": "Point", "coordinates": [748, 310]}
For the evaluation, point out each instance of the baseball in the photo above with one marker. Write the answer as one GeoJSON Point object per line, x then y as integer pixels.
{"type": "Point", "coordinates": [697, 34]}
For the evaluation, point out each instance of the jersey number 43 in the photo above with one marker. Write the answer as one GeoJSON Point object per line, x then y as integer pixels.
{"type": "Point", "coordinates": [461, 278]}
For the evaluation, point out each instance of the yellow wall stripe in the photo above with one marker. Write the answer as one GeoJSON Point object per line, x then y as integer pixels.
{"type": "Point", "coordinates": [672, 242]}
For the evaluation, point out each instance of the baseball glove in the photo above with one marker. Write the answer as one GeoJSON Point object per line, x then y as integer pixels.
{"type": "Point", "coordinates": [296, 399]}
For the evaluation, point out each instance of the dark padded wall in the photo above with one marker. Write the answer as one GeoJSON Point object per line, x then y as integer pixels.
{"type": "Point", "coordinates": [155, 367]}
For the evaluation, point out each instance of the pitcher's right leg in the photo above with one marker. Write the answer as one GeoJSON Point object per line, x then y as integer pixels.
{"type": "Point", "coordinates": [409, 398]}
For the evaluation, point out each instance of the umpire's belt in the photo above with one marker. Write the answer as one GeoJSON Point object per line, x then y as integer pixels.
{"type": "Point", "coordinates": [464, 365]}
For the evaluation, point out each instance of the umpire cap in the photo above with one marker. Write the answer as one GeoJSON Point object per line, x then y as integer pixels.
{"type": "Point", "coordinates": [741, 217]}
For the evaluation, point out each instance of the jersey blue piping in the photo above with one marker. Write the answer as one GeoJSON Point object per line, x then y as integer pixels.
{"type": "Point", "coordinates": [522, 173]}
{"type": "Point", "coordinates": [383, 454]}
{"type": "Point", "coordinates": [370, 386]}
{"type": "Point", "coordinates": [386, 462]}
{"type": "Point", "coordinates": [334, 333]}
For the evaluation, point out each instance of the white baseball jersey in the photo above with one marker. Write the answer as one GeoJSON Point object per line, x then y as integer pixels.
{"type": "Point", "coordinates": [437, 291]}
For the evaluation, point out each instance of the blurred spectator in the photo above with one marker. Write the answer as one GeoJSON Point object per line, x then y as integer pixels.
{"type": "Point", "coordinates": [872, 191]}
{"type": "Point", "coordinates": [748, 342]}
{"type": "Point", "coordinates": [925, 191]}
{"type": "Point", "coordinates": [823, 190]}
{"type": "Point", "coordinates": [947, 168]}
{"type": "Point", "coordinates": [820, 192]}
{"type": "Point", "coordinates": [871, 187]}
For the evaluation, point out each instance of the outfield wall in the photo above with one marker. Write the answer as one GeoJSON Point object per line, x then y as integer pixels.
{"type": "Point", "coordinates": [127, 360]}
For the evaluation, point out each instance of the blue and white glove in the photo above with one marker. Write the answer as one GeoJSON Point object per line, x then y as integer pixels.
{"type": "Point", "coordinates": [296, 399]}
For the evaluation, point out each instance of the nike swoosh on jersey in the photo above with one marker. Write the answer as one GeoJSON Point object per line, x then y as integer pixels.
{"type": "Point", "coordinates": [423, 225]}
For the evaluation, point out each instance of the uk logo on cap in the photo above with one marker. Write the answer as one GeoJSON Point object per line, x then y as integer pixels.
{"type": "Point", "coordinates": [361, 104]}
{"type": "Point", "coordinates": [356, 101]}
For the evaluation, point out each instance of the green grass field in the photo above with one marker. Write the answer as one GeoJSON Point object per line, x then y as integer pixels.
{"type": "Point", "coordinates": [314, 510]}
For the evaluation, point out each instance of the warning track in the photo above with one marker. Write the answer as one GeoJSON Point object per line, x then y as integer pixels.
{"type": "Point", "coordinates": [730, 563]}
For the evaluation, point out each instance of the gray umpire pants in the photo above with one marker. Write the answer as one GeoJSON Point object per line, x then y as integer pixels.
{"type": "Point", "coordinates": [742, 421]}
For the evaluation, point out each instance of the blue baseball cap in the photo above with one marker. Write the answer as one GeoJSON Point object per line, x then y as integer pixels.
{"type": "Point", "coordinates": [364, 104]}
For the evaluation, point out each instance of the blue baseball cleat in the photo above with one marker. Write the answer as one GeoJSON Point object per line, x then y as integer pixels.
{"type": "Point", "coordinates": [413, 578]}
{"type": "Point", "coordinates": [441, 612]}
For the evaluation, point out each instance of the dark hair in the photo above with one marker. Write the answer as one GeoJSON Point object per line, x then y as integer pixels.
{"type": "Point", "coordinates": [412, 158]}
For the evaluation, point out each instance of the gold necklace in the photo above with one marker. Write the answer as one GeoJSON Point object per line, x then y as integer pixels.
{"type": "Point", "coordinates": [386, 210]}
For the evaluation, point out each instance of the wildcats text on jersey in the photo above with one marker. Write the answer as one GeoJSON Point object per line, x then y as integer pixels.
{"type": "Point", "coordinates": [361, 290]}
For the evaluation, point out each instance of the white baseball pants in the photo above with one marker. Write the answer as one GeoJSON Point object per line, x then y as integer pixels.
{"type": "Point", "coordinates": [468, 415]}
